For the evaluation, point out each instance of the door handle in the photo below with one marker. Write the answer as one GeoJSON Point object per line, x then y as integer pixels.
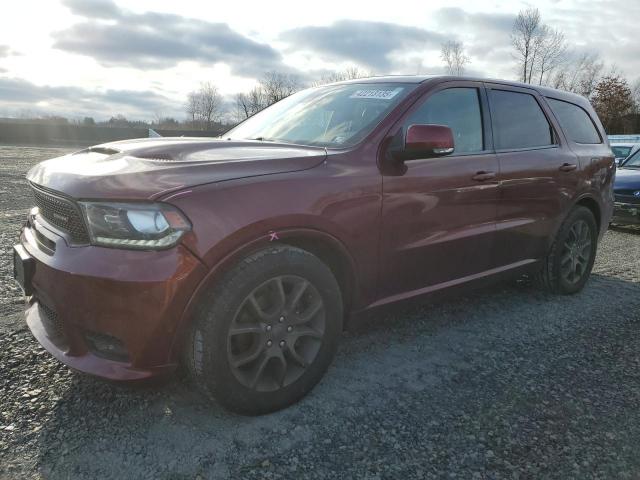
{"type": "Point", "coordinates": [568, 167]}
{"type": "Point", "coordinates": [482, 176]}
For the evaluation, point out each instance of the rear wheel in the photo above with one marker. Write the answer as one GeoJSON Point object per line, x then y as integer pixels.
{"type": "Point", "coordinates": [568, 265]}
{"type": "Point", "coordinates": [268, 332]}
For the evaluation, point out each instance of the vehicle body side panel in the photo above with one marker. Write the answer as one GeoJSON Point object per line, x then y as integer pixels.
{"type": "Point", "coordinates": [334, 198]}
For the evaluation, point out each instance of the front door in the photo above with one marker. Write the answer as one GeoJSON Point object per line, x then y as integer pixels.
{"type": "Point", "coordinates": [438, 218]}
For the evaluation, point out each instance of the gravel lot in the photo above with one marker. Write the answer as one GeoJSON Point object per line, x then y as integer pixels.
{"type": "Point", "coordinates": [502, 383]}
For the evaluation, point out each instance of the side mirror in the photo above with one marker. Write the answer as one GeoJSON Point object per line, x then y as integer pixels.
{"type": "Point", "coordinates": [425, 141]}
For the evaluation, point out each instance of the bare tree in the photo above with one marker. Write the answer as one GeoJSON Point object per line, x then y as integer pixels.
{"type": "Point", "coordinates": [590, 76]}
{"type": "Point", "coordinates": [349, 73]}
{"type": "Point", "coordinates": [452, 53]}
{"type": "Point", "coordinates": [353, 73]}
{"type": "Point", "coordinates": [209, 103]}
{"type": "Point", "coordinates": [276, 86]}
{"type": "Point", "coordinates": [273, 87]}
{"type": "Point", "coordinates": [191, 106]}
{"type": "Point", "coordinates": [242, 106]}
{"type": "Point", "coordinates": [250, 103]}
{"type": "Point", "coordinates": [524, 37]}
{"type": "Point", "coordinates": [257, 99]}
{"type": "Point", "coordinates": [539, 49]}
{"type": "Point", "coordinates": [579, 74]}
{"type": "Point", "coordinates": [550, 53]}
{"type": "Point", "coordinates": [203, 105]}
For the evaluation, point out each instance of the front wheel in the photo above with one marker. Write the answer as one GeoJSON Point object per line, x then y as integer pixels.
{"type": "Point", "coordinates": [268, 331]}
{"type": "Point", "coordinates": [568, 264]}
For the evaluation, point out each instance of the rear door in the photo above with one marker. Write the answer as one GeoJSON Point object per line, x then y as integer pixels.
{"type": "Point", "coordinates": [438, 218]}
{"type": "Point", "coordinates": [537, 174]}
{"type": "Point", "coordinates": [587, 142]}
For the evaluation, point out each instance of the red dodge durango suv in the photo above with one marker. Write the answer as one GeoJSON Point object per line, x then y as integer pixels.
{"type": "Point", "coordinates": [242, 256]}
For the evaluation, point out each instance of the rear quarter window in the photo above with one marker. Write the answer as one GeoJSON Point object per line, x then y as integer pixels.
{"type": "Point", "coordinates": [575, 121]}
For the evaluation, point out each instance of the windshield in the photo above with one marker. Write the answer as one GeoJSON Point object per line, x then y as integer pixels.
{"type": "Point", "coordinates": [633, 161]}
{"type": "Point", "coordinates": [329, 116]}
{"type": "Point", "coordinates": [621, 152]}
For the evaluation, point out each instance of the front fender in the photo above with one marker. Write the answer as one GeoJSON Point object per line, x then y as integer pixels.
{"type": "Point", "coordinates": [227, 260]}
{"type": "Point", "coordinates": [326, 205]}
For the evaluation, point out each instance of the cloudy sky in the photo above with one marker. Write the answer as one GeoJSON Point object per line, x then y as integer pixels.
{"type": "Point", "coordinates": [141, 57]}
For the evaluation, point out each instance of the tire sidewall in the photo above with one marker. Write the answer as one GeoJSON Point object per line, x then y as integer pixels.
{"type": "Point", "coordinates": [212, 365]}
{"type": "Point", "coordinates": [579, 213]}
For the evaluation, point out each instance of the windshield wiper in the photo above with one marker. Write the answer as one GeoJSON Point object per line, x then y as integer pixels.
{"type": "Point", "coordinates": [263, 139]}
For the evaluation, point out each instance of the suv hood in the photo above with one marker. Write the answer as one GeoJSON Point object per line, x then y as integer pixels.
{"type": "Point", "coordinates": [150, 168]}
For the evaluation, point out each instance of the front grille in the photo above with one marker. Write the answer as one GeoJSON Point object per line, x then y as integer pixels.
{"type": "Point", "coordinates": [61, 212]}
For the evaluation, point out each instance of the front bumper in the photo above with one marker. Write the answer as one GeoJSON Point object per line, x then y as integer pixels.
{"type": "Point", "coordinates": [107, 312]}
{"type": "Point", "coordinates": [626, 213]}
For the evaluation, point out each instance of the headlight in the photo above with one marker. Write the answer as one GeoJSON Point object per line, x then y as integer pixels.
{"type": "Point", "coordinates": [134, 225]}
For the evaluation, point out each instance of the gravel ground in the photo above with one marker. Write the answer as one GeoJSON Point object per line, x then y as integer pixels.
{"type": "Point", "coordinates": [15, 201]}
{"type": "Point", "coordinates": [506, 382]}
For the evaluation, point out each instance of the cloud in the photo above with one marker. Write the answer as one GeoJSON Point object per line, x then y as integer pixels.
{"type": "Point", "coordinates": [5, 51]}
{"type": "Point", "coordinates": [75, 101]}
{"type": "Point", "coordinates": [116, 37]}
{"type": "Point", "coordinates": [479, 22]}
{"type": "Point", "coordinates": [486, 35]}
{"type": "Point", "coordinates": [371, 44]}
{"type": "Point", "coordinates": [104, 9]}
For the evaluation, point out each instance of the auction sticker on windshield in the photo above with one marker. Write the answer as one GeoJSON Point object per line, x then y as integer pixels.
{"type": "Point", "coordinates": [376, 93]}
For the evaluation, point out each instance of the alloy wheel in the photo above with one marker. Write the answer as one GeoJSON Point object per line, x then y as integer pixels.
{"type": "Point", "coordinates": [276, 333]}
{"type": "Point", "coordinates": [576, 253]}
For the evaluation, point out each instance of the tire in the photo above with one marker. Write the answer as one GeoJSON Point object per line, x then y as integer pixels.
{"type": "Point", "coordinates": [267, 332]}
{"type": "Point", "coordinates": [574, 249]}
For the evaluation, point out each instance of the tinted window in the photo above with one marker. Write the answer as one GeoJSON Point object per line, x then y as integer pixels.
{"type": "Point", "coordinates": [575, 122]}
{"type": "Point", "coordinates": [458, 109]}
{"type": "Point", "coordinates": [518, 121]}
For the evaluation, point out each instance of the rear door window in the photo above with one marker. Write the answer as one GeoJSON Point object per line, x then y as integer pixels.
{"type": "Point", "coordinates": [457, 108]}
{"type": "Point", "coordinates": [518, 121]}
{"type": "Point", "coordinates": [575, 121]}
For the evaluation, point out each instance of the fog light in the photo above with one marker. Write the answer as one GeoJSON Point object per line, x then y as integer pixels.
{"type": "Point", "coordinates": [106, 346]}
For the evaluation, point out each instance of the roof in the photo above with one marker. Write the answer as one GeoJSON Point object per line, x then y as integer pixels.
{"type": "Point", "coordinates": [545, 91]}
{"type": "Point", "coordinates": [391, 79]}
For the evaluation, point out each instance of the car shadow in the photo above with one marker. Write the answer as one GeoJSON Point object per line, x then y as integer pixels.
{"type": "Point", "coordinates": [164, 429]}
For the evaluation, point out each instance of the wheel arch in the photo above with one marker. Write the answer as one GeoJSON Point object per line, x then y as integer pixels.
{"type": "Point", "coordinates": [330, 250]}
{"type": "Point", "coordinates": [335, 256]}
{"type": "Point", "coordinates": [593, 205]}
